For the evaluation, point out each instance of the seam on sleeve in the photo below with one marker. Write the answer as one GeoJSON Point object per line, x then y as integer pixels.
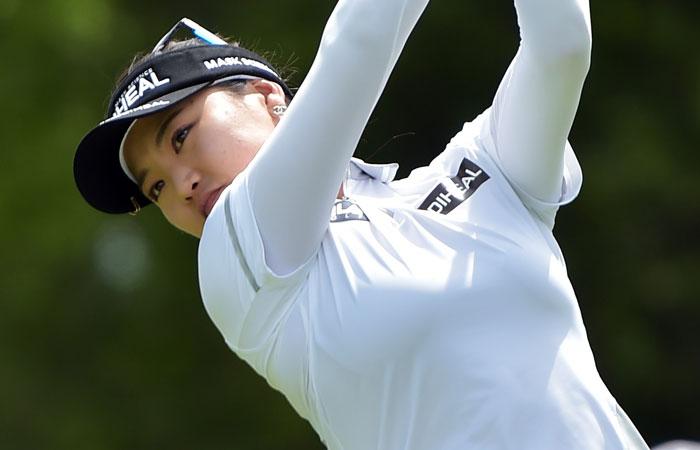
{"type": "Point", "coordinates": [237, 246]}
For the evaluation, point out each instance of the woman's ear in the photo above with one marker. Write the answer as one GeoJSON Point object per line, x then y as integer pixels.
{"type": "Point", "coordinates": [272, 92]}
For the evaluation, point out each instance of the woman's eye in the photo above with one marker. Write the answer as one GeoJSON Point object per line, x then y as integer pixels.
{"type": "Point", "coordinates": [155, 190]}
{"type": "Point", "coordinates": [179, 137]}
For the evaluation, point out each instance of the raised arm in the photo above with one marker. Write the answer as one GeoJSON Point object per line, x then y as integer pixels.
{"type": "Point", "coordinates": [295, 177]}
{"type": "Point", "coordinates": [536, 102]}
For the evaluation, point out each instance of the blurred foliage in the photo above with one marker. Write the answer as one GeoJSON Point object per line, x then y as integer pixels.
{"type": "Point", "coordinates": [104, 343]}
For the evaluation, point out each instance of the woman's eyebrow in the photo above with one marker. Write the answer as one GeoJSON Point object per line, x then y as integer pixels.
{"type": "Point", "coordinates": [164, 125]}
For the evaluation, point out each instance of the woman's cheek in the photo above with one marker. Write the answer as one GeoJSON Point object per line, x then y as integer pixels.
{"type": "Point", "coordinates": [177, 217]}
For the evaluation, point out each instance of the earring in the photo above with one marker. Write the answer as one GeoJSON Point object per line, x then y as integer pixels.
{"type": "Point", "coordinates": [279, 110]}
{"type": "Point", "coordinates": [137, 207]}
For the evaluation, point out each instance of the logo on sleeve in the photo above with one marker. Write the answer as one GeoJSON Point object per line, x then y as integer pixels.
{"type": "Point", "coordinates": [452, 192]}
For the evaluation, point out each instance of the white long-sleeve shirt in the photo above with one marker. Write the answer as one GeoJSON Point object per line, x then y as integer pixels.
{"type": "Point", "coordinates": [432, 312]}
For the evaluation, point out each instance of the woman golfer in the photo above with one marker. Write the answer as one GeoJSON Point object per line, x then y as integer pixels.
{"type": "Point", "coordinates": [432, 312]}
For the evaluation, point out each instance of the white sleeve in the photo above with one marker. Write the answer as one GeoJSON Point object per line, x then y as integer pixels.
{"type": "Point", "coordinates": [536, 102]}
{"type": "Point", "coordinates": [244, 299]}
{"type": "Point", "coordinates": [295, 177]}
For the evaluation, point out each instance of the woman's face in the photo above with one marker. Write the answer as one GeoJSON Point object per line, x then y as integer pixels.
{"type": "Point", "coordinates": [185, 155]}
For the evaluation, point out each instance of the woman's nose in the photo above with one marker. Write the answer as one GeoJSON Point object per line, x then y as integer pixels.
{"type": "Point", "coordinates": [187, 183]}
{"type": "Point", "coordinates": [192, 189]}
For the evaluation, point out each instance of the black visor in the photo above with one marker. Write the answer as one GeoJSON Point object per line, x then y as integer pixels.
{"type": "Point", "coordinates": [158, 83]}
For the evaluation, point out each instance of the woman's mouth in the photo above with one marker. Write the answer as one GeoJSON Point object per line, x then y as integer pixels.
{"type": "Point", "coordinates": [210, 201]}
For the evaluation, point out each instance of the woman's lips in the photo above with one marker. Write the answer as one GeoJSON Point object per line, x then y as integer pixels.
{"type": "Point", "coordinates": [211, 200]}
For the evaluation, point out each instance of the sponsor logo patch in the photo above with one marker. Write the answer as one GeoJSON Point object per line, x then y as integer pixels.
{"type": "Point", "coordinates": [146, 81]}
{"type": "Point", "coordinates": [345, 210]}
{"type": "Point", "coordinates": [143, 107]}
{"type": "Point", "coordinates": [216, 63]}
{"type": "Point", "coordinates": [452, 192]}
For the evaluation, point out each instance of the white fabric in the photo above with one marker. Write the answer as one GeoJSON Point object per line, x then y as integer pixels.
{"type": "Point", "coordinates": [122, 159]}
{"type": "Point", "coordinates": [399, 325]}
{"type": "Point", "coordinates": [308, 152]}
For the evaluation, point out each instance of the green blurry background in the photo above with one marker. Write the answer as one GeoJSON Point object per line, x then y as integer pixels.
{"type": "Point", "coordinates": [104, 343]}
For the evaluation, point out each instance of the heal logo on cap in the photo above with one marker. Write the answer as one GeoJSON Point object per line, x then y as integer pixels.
{"type": "Point", "coordinates": [146, 81]}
